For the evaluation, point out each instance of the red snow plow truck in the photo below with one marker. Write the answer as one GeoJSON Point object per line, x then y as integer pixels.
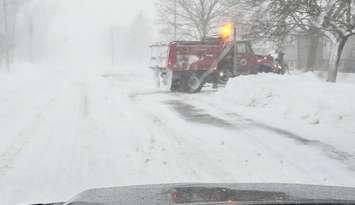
{"type": "Point", "coordinates": [186, 66]}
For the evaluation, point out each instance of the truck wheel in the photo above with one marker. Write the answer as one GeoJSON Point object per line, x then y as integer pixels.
{"type": "Point", "coordinates": [176, 85]}
{"type": "Point", "coordinates": [223, 80]}
{"type": "Point", "coordinates": [284, 69]}
{"type": "Point", "coordinates": [194, 84]}
{"type": "Point", "coordinates": [264, 69]}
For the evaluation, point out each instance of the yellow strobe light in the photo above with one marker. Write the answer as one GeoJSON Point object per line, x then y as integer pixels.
{"type": "Point", "coordinates": [226, 31]}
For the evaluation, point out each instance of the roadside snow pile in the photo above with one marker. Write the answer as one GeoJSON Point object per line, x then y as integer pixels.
{"type": "Point", "coordinates": [296, 96]}
{"type": "Point", "coordinates": [25, 91]}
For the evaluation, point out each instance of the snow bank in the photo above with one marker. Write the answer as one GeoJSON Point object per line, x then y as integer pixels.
{"type": "Point", "coordinates": [295, 96]}
{"type": "Point", "coordinates": [25, 90]}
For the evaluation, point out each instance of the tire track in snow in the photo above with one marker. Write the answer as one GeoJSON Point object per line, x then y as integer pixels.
{"type": "Point", "coordinates": [193, 114]}
{"type": "Point", "coordinates": [178, 144]}
{"type": "Point", "coordinates": [85, 104]}
{"type": "Point", "coordinates": [153, 127]}
{"type": "Point", "coordinates": [330, 150]}
{"type": "Point", "coordinates": [232, 121]}
{"type": "Point", "coordinates": [8, 157]}
{"type": "Point", "coordinates": [194, 156]}
{"type": "Point", "coordinates": [206, 165]}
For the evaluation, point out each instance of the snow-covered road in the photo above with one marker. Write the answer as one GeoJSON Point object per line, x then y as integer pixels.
{"type": "Point", "coordinates": [62, 135]}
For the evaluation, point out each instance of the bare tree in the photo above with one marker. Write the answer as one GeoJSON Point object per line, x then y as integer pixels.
{"type": "Point", "coordinates": [8, 12]}
{"type": "Point", "coordinates": [276, 19]}
{"type": "Point", "coordinates": [337, 20]}
{"type": "Point", "coordinates": [33, 23]}
{"type": "Point", "coordinates": [138, 36]}
{"type": "Point", "coordinates": [191, 19]}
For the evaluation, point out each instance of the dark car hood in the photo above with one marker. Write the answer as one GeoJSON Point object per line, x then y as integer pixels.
{"type": "Point", "coordinates": [216, 194]}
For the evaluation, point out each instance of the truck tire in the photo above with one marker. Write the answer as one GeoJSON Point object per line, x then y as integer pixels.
{"type": "Point", "coordinates": [264, 69]}
{"type": "Point", "coordinates": [223, 81]}
{"type": "Point", "coordinates": [193, 84]}
{"type": "Point", "coordinates": [176, 85]}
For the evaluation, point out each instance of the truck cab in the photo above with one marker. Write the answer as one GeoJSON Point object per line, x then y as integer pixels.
{"type": "Point", "coordinates": [247, 62]}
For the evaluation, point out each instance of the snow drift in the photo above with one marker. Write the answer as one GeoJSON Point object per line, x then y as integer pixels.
{"type": "Point", "coordinates": [303, 96]}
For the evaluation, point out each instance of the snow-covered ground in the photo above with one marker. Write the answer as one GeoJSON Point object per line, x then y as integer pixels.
{"type": "Point", "coordinates": [302, 103]}
{"type": "Point", "coordinates": [64, 131]}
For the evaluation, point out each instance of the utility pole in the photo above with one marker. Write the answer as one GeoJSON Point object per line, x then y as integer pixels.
{"type": "Point", "coordinates": [31, 41]}
{"type": "Point", "coordinates": [6, 32]}
{"type": "Point", "coordinates": [113, 50]}
{"type": "Point", "coordinates": [235, 50]}
{"type": "Point", "coordinates": [175, 20]}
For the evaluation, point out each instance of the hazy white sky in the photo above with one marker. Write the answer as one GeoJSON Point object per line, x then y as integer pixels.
{"type": "Point", "coordinates": [81, 28]}
{"type": "Point", "coordinates": [110, 11]}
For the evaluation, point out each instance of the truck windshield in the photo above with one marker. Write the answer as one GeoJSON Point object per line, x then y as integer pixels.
{"type": "Point", "coordinates": [244, 48]}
